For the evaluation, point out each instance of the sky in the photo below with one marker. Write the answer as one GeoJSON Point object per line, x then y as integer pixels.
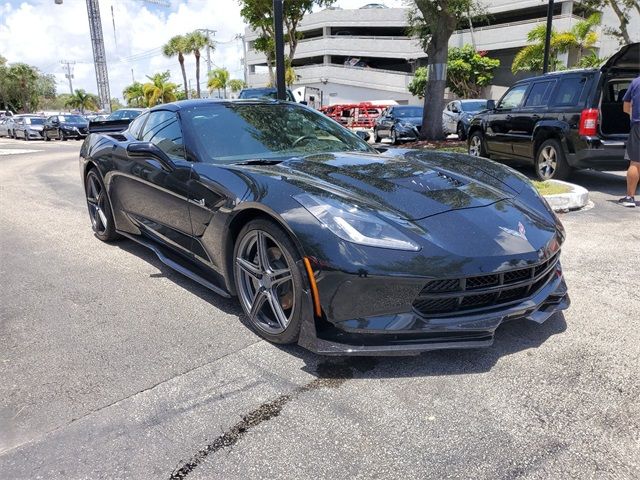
{"type": "Point", "coordinates": [41, 33]}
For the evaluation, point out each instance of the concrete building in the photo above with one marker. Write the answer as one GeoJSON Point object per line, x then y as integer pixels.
{"type": "Point", "coordinates": [366, 54]}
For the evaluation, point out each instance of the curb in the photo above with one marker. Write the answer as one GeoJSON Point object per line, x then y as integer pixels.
{"type": "Point", "coordinates": [576, 199]}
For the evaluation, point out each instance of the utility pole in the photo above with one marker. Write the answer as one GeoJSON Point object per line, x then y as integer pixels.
{"type": "Point", "coordinates": [208, 33]}
{"type": "Point", "coordinates": [547, 39]}
{"type": "Point", "coordinates": [68, 66]}
{"type": "Point", "coordinates": [277, 26]}
{"type": "Point", "coordinates": [133, 79]}
{"type": "Point", "coordinates": [244, 57]}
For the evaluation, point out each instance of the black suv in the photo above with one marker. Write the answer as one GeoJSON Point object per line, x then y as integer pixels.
{"type": "Point", "coordinates": [562, 120]}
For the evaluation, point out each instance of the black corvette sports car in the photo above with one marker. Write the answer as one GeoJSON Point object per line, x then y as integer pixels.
{"type": "Point", "coordinates": [324, 240]}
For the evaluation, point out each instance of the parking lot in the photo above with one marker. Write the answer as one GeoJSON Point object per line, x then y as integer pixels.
{"type": "Point", "coordinates": [114, 366]}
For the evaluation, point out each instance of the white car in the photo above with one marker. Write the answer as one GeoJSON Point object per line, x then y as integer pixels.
{"type": "Point", "coordinates": [458, 113]}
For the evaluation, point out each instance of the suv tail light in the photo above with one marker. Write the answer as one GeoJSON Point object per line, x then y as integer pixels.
{"type": "Point", "coordinates": [588, 122]}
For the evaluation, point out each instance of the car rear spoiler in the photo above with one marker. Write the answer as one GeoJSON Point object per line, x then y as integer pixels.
{"type": "Point", "coordinates": [108, 126]}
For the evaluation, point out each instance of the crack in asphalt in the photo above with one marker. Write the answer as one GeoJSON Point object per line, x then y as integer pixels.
{"type": "Point", "coordinates": [330, 375]}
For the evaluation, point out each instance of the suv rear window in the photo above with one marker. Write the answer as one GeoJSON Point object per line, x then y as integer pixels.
{"type": "Point", "coordinates": [539, 94]}
{"type": "Point", "coordinates": [569, 91]}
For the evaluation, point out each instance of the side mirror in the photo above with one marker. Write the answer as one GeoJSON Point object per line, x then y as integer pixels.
{"type": "Point", "coordinates": [491, 104]}
{"type": "Point", "coordinates": [363, 135]}
{"type": "Point", "coordinates": [148, 149]}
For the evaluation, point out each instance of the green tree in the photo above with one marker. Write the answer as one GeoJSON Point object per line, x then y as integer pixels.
{"type": "Point", "coordinates": [467, 72]}
{"type": "Point", "coordinates": [197, 41]}
{"type": "Point", "coordinates": [434, 21]}
{"type": "Point", "coordinates": [259, 15]}
{"type": "Point", "coordinates": [134, 95]}
{"type": "Point", "coordinates": [115, 104]}
{"type": "Point", "coordinates": [585, 36]}
{"type": "Point", "coordinates": [178, 46]}
{"type": "Point", "coordinates": [218, 79]}
{"type": "Point", "coordinates": [82, 101]}
{"type": "Point", "coordinates": [159, 89]}
{"type": "Point", "coordinates": [236, 85]}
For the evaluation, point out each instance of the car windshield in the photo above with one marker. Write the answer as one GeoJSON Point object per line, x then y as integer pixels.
{"type": "Point", "coordinates": [269, 93]}
{"type": "Point", "coordinates": [238, 132]}
{"type": "Point", "coordinates": [35, 121]}
{"type": "Point", "coordinates": [72, 119]}
{"type": "Point", "coordinates": [475, 106]}
{"type": "Point", "coordinates": [407, 112]}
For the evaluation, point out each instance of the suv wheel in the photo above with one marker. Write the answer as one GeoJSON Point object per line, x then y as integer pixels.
{"type": "Point", "coordinates": [550, 162]}
{"type": "Point", "coordinates": [460, 132]}
{"type": "Point", "coordinates": [477, 147]}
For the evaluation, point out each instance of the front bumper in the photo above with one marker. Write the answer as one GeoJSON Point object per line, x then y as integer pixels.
{"type": "Point", "coordinates": [405, 134]}
{"type": "Point", "coordinates": [410, 334]}
{"type": "Point", "coordinates": [34, 134]}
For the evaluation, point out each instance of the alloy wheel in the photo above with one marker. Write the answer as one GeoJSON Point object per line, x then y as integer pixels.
{"type": "Point", "coordinates": [96, 201]}
{"type": "Point", "coordinates": [266, 286]}
{"type": "Point", "coordinates": [547, 162]}
{"type": "Point", "coordinates": [475, 146]}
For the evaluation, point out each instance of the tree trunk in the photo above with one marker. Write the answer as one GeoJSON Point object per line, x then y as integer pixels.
{"type": "Point", "coordinates": [438, 53]}
{"type": "Point", "coordinates": [623, 21]}
{"type": "Point", "coordinates": [197, 55]}
{"type": "Point", "coordinates": [184, 74]}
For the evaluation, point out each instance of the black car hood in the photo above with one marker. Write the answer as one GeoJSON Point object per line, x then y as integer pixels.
{"type": "Point", "coordinates": [410, 185]}
{"type": "Point", "coordinates": [411, 120]}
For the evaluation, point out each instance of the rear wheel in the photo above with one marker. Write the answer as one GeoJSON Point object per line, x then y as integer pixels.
{"type": "Point", "coordinates": [99, 207]}
{"type": "Point", "coordinates": [268, 281]}
{"type": "Point", "coordinates": [550, 161]}
{"type": "Point", "coordinates": [477, 147]}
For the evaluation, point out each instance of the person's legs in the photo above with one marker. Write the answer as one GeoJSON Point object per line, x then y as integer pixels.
{"type": "Point", "coordinates": [633, 178]}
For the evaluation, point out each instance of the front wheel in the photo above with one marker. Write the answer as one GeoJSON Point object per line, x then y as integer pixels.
{"type": "Point", "coordinates": [62, 137]}
{"type": "Point", "coordinates": [460, 132]}
{"type": "Point", "coordinates": [268, 281]}
{"type": "Point", "coordinates": [394, 137]}
{"type": "Point", "coordinates": [99, 207]}
{"type": "Point", "coordinates": [550, 161]}
{"type": "Point", "coordinates": [477, 146]}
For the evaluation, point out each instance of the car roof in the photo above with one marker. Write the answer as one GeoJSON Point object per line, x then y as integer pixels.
{"type": "Point", "coordinates": [198, 102]}
{"type": "Point", "coordinates": [556, 74]}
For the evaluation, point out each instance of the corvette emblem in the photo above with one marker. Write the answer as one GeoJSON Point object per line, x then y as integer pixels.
{"type": "Point", "coordinates": [521, 232]}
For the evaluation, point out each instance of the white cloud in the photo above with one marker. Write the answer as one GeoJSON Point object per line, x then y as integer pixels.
{"type": "Point", "coordinates": [41, 33]}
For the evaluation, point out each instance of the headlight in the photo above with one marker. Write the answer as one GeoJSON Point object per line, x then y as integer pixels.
{"type": "Point", "coordinates": [354, 224]}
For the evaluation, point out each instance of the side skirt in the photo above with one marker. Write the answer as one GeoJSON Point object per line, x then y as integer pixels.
{"type": "Point", "coordinates": [173, 262]}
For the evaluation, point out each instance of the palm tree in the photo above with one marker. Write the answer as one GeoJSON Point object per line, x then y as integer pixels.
{"type": "Point", "coordinates": [159, 89]}
{"type": "Point", "coordinates": [531, 57]}
{"type": "Point", "coordinates": [585, 36]}
{"type": "Point", "coordinates": [218, 79]}
{"type": "Point", "coordinates": [236, 85]}
{"type": "Point", "coordinates": [196, 41]}
{"type": "Point", "coordinates": [134, 95]}
{"type": "Point", "coordinates": [178, 46]}
{"type": "Point", "coordinates": [83, 100]}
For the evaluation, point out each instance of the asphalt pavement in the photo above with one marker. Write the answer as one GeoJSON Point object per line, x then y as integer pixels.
{"type": "Point", "coordinates": [114, 366]}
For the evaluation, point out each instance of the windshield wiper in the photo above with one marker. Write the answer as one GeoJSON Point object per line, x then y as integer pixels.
{"type": "Point", "coordinates": [260, 161]}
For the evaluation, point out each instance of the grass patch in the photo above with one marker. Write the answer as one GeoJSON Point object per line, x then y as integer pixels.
{"type": "Point", "coordinates": [548, 188]}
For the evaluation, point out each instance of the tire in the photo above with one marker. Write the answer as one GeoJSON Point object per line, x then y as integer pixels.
{"type": "Point", "coordinates": [460, 132]}
{"type": "Point", "coordinates": [477, 146]}
{"type": "Point", "coordinates": [254, 281]}
{"type": "Point", "coordinates": [550, 161]}
{"type": "Point", "coordinates": [62, 137]}
{"type": "Point", "coordinates": [46, 137]}
{"type": "Point", "coordinates": [376, 137]}
{"type": "Point", "coordinates": [394, 137]}
{"type": "Point", "coordinates": [99, 207]}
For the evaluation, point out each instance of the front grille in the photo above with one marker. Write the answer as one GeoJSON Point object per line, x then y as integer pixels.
{"type": "Point", "coordinates": [453, 296]}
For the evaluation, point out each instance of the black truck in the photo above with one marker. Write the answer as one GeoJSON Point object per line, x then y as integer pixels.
{"type": "Point", "coordinates": [560, 121]}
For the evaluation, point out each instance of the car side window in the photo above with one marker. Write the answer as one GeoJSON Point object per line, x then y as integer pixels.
{"type": "Point", "coordinates": [539, 94]}
{"type": "Point", "coordinates": [163, 130]}
{"type": "Point", "coordinates": [569, 91]}
{"type": "Point", "coordinates": [513, 98]}
{"type": "Point", "coordinates": [135, 127]}
{"type": "Point", "coordinates": [117, 115]}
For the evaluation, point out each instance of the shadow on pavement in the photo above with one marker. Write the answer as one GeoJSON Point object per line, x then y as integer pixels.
{"type": "Point", "coordinates": [512, 337]}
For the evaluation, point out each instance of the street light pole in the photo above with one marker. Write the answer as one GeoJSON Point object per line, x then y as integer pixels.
{"type": "Point", "coordinates": [547, 39]}
{"type": "Point", "coordinates": [277, 26]}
